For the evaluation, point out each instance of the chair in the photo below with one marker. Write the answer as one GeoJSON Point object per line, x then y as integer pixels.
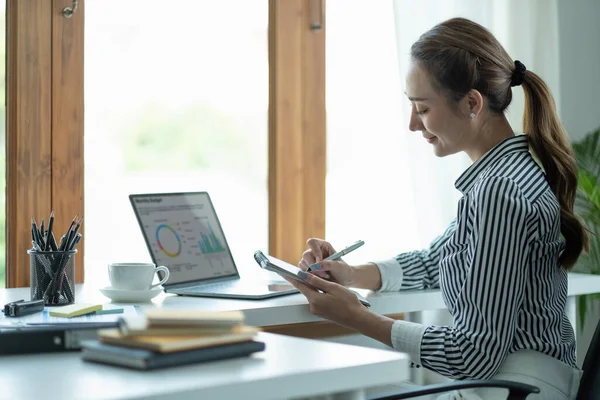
{"type": "Point", "coordinates": [589, 386]}
{"type": "Point", "coordinates": [516, 390]}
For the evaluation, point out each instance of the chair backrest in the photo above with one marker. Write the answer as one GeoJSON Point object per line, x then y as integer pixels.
{"type": "Point", "coordinates": [589, 387]}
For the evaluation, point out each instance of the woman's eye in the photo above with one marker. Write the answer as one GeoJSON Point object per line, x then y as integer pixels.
{"type": "Point", "coordinates": [417, 111]}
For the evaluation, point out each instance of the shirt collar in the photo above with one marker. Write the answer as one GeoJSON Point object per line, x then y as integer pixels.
{"type": "Point", "coordinates": [508, 146]}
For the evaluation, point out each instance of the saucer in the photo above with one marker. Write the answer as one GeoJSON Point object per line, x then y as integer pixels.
{"type": "Point", "coordinates": [130, 296]}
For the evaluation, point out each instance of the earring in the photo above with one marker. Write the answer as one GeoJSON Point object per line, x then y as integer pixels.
{"type": "Point", "coordinates": [472, 115]}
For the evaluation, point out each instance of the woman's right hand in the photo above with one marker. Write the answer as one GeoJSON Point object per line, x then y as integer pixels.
{"type": "Point", "coordinates": [318, 250]}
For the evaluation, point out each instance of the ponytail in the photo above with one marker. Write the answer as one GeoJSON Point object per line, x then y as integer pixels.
{"type": "Point", "coordinates": [550, 143]}
{"type": "Point", "coordinates": [462, 55]}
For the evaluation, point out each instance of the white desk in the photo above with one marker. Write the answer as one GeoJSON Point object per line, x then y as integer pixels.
{"type": "Point", "coordinates": [289, 368]}
{"type": "Point", "coordinates": [293, 309]}
{"type": "Point", "coordinates": [278, 311]}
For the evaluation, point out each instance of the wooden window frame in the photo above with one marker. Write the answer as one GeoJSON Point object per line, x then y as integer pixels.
{"type": "Point", "coordinates": [297, 134]}
{"type": "Point", "coordinates": [45, 125]}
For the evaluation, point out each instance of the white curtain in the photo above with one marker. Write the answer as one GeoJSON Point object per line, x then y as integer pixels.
{"type": "Point", "coordinates": [384, 184]}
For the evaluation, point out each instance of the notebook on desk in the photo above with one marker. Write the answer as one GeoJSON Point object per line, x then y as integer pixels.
{"type": "Point", "coordinates": [182, 232]}
{"type": "Point", "coordinates": [94, 351]}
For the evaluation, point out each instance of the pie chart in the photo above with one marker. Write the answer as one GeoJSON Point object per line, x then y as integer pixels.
{"type": "Point", "coordinates": [168, 240]}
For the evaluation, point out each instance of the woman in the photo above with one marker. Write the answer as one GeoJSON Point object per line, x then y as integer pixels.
{"type": "Point", "coordinates": [502, 264]}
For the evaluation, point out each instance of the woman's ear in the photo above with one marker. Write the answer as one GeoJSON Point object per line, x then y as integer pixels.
{"type": "Point", "coordinates": [474, 103]}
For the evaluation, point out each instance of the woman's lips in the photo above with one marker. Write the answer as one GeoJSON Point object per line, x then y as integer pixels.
{"type": "Point", "coordinates": [431, 139]}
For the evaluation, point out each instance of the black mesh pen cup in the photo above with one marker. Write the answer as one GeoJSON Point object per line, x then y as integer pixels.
{"type": "Point", "coordinates": [52, 276]}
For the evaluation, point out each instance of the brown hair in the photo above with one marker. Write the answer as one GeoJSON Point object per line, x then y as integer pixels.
{"type": "Point", "coordinates": [461, 55]}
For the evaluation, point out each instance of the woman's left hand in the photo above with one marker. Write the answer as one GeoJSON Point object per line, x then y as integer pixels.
{"type": "Point", "coordinates": [336, 303]}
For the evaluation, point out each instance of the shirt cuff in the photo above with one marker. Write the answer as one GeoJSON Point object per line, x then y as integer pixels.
{"type": "Point", "coordinates": [391, 275]}
{"type": "Point", "coordinates": [406, 337]}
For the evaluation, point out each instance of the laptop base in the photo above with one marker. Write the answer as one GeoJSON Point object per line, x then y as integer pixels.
{"type": "Point", "coordinates": [250, 292]}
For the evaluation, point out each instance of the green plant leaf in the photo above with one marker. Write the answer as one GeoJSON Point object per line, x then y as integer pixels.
{"type": "Point", "coordinates": [587, 153]}
{"type": "Point", "coordinates": [587, 207]}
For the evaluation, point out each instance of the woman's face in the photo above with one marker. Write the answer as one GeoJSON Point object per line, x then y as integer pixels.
{"type": "Point", "coordinates": [446, 127]}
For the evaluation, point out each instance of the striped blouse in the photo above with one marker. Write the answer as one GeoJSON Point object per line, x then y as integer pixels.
{"type": "Point", "coordinates": [497, 268]}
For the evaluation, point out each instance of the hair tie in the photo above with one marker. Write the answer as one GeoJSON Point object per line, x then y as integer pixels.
{"type": "Point", "coordinates": [518, 75]}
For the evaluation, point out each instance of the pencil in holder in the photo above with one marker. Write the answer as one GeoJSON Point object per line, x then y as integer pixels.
{"type": "Point", "coordinates": [52, 276]}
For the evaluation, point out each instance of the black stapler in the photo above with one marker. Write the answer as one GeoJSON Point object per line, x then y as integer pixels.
{"type": "Point", "coordinates": [21, 308]}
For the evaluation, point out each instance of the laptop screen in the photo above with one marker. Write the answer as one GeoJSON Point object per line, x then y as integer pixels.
{"type": "Point", "coordinates": [183, 233]}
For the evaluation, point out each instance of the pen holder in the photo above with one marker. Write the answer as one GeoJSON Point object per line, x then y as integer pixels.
{"type": "Point", "coordinates": [52, 276]}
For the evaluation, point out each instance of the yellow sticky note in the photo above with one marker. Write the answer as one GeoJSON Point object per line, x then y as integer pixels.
{"type": "Point", "coordinates": [75, 310]}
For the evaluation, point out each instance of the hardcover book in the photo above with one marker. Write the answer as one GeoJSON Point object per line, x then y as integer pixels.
{"type": "Point", "coordinates": [94, 351]}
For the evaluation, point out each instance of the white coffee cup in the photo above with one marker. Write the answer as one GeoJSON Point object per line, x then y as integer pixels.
{"type": "Point", "coordinates": [135, 276]}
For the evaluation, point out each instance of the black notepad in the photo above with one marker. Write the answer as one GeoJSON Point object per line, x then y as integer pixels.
{"type": "Point", "coordinates": [95, 351]}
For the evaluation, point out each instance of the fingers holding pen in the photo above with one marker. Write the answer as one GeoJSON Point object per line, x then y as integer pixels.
{"type": "Point", "coordinates": [314, 250]}
{"type": "Point", "coordinates": [303, 264]}
{"type": "Point", "coordinates": [318, 250]}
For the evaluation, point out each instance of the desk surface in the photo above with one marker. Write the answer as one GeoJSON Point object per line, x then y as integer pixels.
{"type": "Point", "coordinates": [288, 368]}
{"type": "Point", "coordinates": [293, 309]}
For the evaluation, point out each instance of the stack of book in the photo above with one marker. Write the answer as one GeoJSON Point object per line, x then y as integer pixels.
{"type": "Point", "coordinates": [163, 338]}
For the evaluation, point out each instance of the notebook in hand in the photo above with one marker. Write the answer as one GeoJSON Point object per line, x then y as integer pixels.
{"type": "Point", "coordinates": [282, 268]}
{"type": "Point", "coordinates": [183, 233]}
{"type": "Point", "coordinates": [94, 351]}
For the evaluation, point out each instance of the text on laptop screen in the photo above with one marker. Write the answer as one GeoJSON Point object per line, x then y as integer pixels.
{"type": "Point", "coordinates": [184, 234]}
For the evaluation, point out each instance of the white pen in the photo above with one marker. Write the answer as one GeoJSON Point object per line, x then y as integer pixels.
{"type": "Point", "coordinates": [340, 253]}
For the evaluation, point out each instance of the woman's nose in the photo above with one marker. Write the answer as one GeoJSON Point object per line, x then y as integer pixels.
{"type": "Point", "coordinates": [414, 124]}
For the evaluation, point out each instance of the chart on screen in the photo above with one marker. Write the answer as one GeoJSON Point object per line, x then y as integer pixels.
{"type": "Point", "coordinates": [183, 233]}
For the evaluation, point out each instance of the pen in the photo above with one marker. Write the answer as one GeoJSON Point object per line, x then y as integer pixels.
{"type": "Point", "coordinates": [74, 235]}
{"type": "Point", "coordinates": [33, 235]}
{"type": "Point", "coordinates": [340, 253]}
{"type": "Point", "coordinates": [71, 233]}
{"type": "Point", "coordinates": [49, 232]}
{"type": "Point", "coordinates": [35, 232]}
{"type": "Point", "coordinates": [63, 239]}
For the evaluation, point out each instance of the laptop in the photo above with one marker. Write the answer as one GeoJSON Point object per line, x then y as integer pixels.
{"type": "Point", "coordinates": [183, 233]}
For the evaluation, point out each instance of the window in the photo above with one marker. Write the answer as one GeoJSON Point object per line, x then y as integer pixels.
{"type": "Point", "coordinates": [174, 104]}
{"type": "Point", "coordinates": [170, 106]}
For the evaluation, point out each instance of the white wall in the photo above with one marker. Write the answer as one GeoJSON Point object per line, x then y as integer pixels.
{"type": "Point", "coordinates": [579, 44]}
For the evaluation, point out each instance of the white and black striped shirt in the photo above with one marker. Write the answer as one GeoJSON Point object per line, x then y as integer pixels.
{"type": "Point", "coordinates": [497, 267]}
